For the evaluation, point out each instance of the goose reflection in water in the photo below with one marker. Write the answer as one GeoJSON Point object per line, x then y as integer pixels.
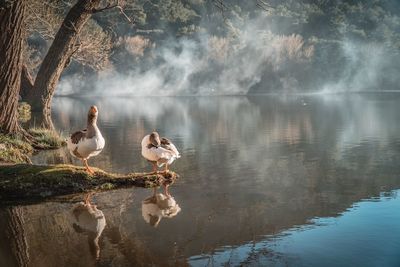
{"type": "Point", "coordinates": [159, 206]}
{"type": "Point", "coordinates": [90, 221]}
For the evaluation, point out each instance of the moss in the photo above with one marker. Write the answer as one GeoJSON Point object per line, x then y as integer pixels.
{"type": "Point", "coordinates": [106, 186]}
{"type": "Point", "coordinates": [24, 112]}
{"type": "Point", "coordinates": [14, 150]}
{"type": "Point", "coordinates": [47, 138]}
{"type": "Point", "coordinates": [35, 182]}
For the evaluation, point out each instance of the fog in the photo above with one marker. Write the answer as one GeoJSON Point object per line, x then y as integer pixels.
{"type": "Point", "coordinates": [254, 55]}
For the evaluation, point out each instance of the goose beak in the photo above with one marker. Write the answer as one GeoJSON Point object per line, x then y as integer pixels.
{"type": "Point", "coordinates": [93, 109]}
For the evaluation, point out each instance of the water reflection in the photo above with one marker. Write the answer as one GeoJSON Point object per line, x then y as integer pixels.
{"type": "Point", "coordinates": [158, 206]}
{"type": "Point", "coordinates": [89, 221]}
{"type": "Point", "coordinates": [270, 163]}
{"type": "Point", "coordinates": [371, 223]}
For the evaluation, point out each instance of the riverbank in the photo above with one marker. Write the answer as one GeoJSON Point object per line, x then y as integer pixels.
{"type": "Point", "coordinates": [16, 149]}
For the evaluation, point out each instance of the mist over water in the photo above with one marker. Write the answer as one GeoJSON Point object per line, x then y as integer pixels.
{"type": "Point", "coordinates": [252, 57]}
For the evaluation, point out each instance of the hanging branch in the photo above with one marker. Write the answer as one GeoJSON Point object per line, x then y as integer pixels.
{"type": "Point", "coordinates": [264, 5]}
{"type": "Point", "coordinates": [111, 6]}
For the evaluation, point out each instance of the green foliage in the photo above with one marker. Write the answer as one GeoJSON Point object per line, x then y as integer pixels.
{"type": "Point", "coordinates": [24, 112]}
{"type": "Point", "coordinates": [175, 10]}
{"type": "Point", "coordinates": [369, 20]}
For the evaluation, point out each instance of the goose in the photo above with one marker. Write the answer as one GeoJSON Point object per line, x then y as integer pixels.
{"type": "Point", "coordinates": [159, 206]}
{"type": "Point", "coordinates": [159, 151]}
{"type": "Point", "coordinates": [90, 221]}
{"type": "Point", "coordinates": [88, 142]}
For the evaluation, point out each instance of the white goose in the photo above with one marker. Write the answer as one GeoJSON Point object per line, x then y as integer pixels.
{"type": "Point", "coordinates": [89, 220]}
{"type": "Point", "coordinates": [159, 151]}
{"type": "Point", "coordinates": [159, 206]}
{"type": "Point", "coordinates": [88, 142]}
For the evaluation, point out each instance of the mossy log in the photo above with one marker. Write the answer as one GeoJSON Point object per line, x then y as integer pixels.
{"type": "Point", "coordinates": [37, 182]}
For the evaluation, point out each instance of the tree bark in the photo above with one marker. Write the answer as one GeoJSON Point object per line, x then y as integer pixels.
{"type": "Point", "coordinates": [12, 29]}
{"type": "Point", "coordinates": [58, 56]}
{"type": "Point", "coordinates": [16, 235]}
{"type": "Point", "coordinates": [26, 82]}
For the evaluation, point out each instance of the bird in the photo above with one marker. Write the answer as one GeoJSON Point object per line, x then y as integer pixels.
{"type": "Point", "coordinates": [90, 221]}
{"type": "Point", "coordinates": [89, 142]}
{"type": "Point", "coordinates": [159, 151]}
{"type": "Point", "coordinates": [159, 206]}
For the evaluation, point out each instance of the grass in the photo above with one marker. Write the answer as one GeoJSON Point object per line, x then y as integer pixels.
{"type": "Point", "coordinates": [47, 138]}
{"type": "Point", "coordinates": [35, 182]}
{"type": "Point", "coordinates": [14, 149]}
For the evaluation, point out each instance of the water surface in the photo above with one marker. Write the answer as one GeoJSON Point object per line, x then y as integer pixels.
{"type": "Point", "coordinates": [295, 180]}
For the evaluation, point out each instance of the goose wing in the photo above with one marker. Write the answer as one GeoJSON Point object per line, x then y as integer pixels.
{"type": "Point", "coordinates": [78, 136]}
{"type": "Point", "coordinates": [167, 144]}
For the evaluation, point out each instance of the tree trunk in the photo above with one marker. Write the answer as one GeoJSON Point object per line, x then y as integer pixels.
{"type": "Point", "coordinates": [26, 82]}
{"type": "Point", "coordinates": [15, 247]}
{"type": "Point", "coordinates": [12, 29]}
{"type": "Point", "coordinates": [58, 56]}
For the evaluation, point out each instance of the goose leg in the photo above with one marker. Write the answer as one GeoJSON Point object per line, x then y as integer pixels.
{"type": "Point", "coordinates": [154, 191]}
{"type": "Point", "coordinates": [166, 191]}
{"type": "Point", "coordinates": [88, 169]}
{"type": "Point", "coordinates": [154, 167]}
{"type": "Point", "coordinates": [87, 198]}
{"type": "Point", "coordinates": [166, 171]}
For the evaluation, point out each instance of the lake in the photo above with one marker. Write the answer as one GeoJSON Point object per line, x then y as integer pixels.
{"type": "Point", "coordinates": [295, 180]}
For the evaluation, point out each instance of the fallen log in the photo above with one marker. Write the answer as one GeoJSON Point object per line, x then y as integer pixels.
{"type": "Point", "coordinates": [26, 182]}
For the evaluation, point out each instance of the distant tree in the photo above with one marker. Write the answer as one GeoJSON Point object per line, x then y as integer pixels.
{"type": "Point", "coordinates": [12, 19]}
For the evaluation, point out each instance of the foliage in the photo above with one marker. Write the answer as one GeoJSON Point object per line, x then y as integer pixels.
{"type": "Point", "coordinates": [297, 32]}
{"type": "Point", "coordinates": [24, 112]}
{"type": "Point", "coordinates": [175, 10]}
{"type": "Point", "coordinates": [43, 21]}
{"type": "Point", "coordinates": [218, 48]}
{"type": "Point", "coordinates": [287, 47]}
{"type": "Point", "coordinates": [135, 45]}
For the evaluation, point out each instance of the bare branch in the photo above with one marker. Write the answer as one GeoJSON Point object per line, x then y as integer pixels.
{"type": "Point", "coordinates": [264, 5]}
{"type": "Point", "coordinates": [126, 16]}
{"type": "Point", "coordinates": [108, 6]}
{"type": "Point", "coordinates": [111, 6]}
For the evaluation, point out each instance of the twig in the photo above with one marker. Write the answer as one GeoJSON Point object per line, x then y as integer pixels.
{"type": "Point", "coordinates": [108, 6]}
{"type": "Point", "coordinates": [116, 5]}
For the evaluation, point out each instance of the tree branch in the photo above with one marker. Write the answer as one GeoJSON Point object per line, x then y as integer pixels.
{"type": "Point", "coordinates": [111, 6]}
{"type": "Point", "coordinates": [264, 5]}
{"type": "Point", "coordinates": [108, 6]}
